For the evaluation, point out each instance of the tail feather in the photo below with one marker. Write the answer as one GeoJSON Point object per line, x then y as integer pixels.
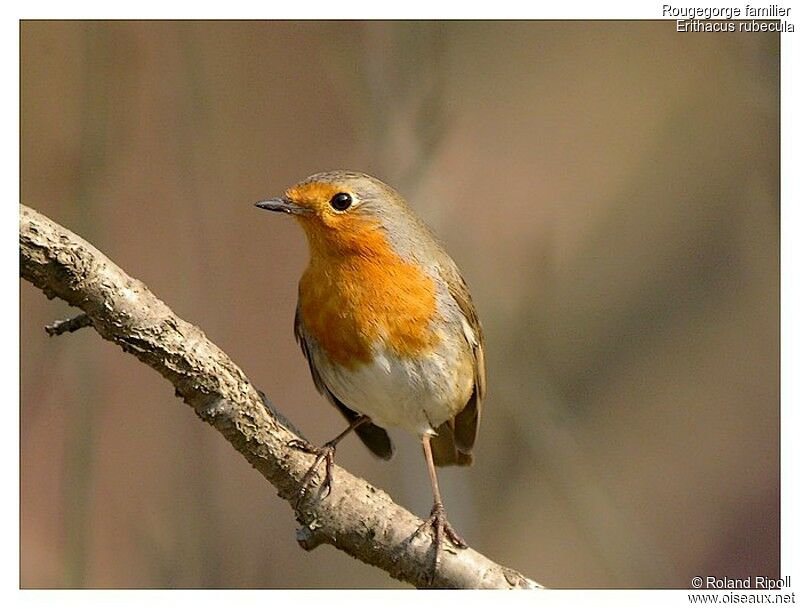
{"type": "Point", "coordinates": [445, 450]}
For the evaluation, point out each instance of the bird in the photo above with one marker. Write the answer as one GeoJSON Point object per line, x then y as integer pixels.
{"type": "Point", "coordinates": [388, 327]}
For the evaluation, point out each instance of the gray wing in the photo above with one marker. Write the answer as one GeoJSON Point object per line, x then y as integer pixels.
{"type": "Point", "coordinates": [455, 438]}
{"type": "Point", "coordinates": [376, 438]}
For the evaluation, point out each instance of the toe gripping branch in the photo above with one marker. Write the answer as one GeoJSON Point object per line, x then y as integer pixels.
{"type": "Point", "coordinates": [441, 528]}
{"type": "Point", "coordinates": [326, 453]}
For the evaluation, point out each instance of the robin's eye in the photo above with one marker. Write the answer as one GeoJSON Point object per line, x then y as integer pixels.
{"type": "Point", "coordinates": [341, 201]}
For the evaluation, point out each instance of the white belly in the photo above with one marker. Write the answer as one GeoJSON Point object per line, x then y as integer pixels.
{"type": "Point", "coordinates": [416, 395]}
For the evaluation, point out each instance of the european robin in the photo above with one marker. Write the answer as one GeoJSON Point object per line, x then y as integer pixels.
{"type": "Point", "coordinates": [387, 325]}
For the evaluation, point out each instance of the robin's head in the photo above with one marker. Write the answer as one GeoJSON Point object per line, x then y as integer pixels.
{"type": "Point", "coordinates": [346, 210]}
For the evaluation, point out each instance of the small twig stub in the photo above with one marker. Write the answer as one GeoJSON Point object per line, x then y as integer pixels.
{"type": "Point", "coordinates": [72, 324]}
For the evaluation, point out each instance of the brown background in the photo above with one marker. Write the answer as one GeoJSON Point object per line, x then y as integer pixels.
{"type": "Point", "coordinates": [610, 191]}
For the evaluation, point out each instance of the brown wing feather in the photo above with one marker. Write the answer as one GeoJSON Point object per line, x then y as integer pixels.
{"type": "Point", "coordinates": [455, 438]}
{"type": "Point", "coordinates": [375, 438]}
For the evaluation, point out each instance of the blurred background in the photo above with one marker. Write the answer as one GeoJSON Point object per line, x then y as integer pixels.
{"type": "Point", "coordinates": [610, 192]}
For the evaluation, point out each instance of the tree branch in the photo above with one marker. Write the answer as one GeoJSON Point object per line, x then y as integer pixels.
{"type": "Point", "coordinates": [356, 518]}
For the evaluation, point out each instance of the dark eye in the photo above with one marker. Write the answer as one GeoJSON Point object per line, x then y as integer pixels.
{"type": "Point", "coordinates": [341, 201]}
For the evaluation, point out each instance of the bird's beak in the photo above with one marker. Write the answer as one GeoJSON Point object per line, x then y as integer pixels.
{"type": "Point", "coordinates": [284, 205]}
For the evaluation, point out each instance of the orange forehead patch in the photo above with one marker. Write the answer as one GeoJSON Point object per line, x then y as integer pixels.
{"type": "Point", "coordinates": [329, 232]}
{"type": "Point", "coordinates": [314, 194]}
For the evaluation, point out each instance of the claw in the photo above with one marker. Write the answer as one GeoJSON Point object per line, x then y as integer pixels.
{"type": "Point", "coordinates": [326, 452]}
{"type": "Point", "coordinates": [301, 444]}
{"type": "Point", "coordinates": [441, 528]}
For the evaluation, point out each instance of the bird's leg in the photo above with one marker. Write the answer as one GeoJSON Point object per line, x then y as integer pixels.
{"type": "Point", "coordinates": [326, 452]}
{"type": "Point", "coordinates": [438, 518]}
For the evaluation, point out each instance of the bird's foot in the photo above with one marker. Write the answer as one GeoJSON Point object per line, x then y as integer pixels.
{"type": "Point", "coordinates": [438, 522]}
{"type": "Point", "coordinates": [324, 453]}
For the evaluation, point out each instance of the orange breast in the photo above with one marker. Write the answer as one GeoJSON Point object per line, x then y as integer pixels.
{"type": "Point", "coordinates": [350, 299]}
